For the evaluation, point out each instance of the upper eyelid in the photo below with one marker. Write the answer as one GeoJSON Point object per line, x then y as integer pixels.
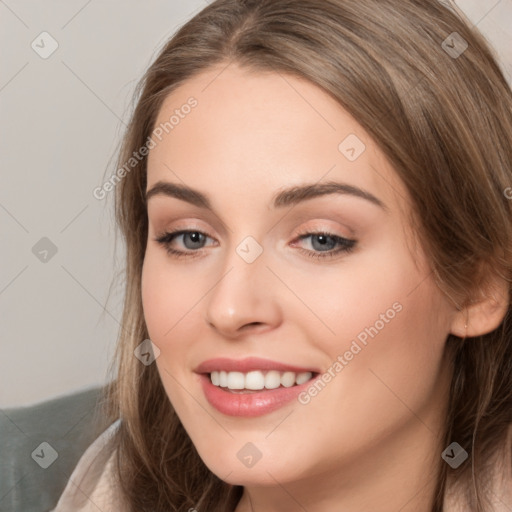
{"type": "Point", "coordinates": [336, 216]}
{"type": "Point", "coordinates": [349, 232]}
{"type": "Point", "coordinates": [303, 234]}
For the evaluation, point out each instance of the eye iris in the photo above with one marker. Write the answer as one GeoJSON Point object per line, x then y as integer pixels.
{"type": "Point", "coordinates": [323, 242]}
{"type": "Point", "coordinates": [197, 238]}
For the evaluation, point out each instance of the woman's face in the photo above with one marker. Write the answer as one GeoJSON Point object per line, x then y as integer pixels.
{"type": "Point", "coordinates": [331, 284]}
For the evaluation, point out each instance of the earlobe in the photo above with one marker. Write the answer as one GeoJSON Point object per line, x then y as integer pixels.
{"type": "Point", "coordinates": [483, 315]}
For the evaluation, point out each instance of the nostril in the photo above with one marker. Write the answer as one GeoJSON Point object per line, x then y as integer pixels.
{"type": "Point", "coordinates": [252, 325]}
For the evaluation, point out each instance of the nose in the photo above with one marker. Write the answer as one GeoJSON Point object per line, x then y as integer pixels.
{"type": "Point", "coordinates": [244, 299]}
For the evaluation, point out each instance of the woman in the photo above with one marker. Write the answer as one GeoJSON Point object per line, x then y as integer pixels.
{"type": "Point", "coordinates": [314, 201]}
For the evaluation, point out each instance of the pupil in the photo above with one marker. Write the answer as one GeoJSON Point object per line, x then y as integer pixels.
{"type": "Point", "coordinates": [323, 240]}
{"type": "Point", "coordinates": [195, 237]}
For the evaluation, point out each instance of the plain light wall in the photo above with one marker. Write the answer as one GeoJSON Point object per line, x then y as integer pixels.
{"type": "Point", "coordinates": [61, 118]}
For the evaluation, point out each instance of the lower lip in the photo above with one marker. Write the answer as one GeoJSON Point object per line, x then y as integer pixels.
{"type": "Point", "coordinates": [251, 404]}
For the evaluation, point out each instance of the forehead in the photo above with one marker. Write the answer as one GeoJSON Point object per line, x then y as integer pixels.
{"type": "Point", "coordinates": [255, 132]}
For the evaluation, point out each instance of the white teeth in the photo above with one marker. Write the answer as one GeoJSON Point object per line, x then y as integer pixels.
{"type": "Point", "coordinates": [215, 378]}
{"type": "Point", "coordinates": [303, 377]}
{"type": "Point", "coordinates": [236, 380]}
{"type": "Point", "coordinates": [272, 379]}
{"type": "Point", "coordinates": [288, 379]}
{"type": "Point", "coordinates": [256, 380]}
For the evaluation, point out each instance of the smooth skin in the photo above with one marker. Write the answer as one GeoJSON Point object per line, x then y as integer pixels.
{"type": "Point", "coordinates": [370, 439]}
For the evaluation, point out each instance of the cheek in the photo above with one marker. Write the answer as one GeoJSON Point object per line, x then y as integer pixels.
{"type": "Point", "coordinates": [392, 364]}
{"type": "Point", "coordinates": [172, 313]}
{"type": "Point", "coordinates": [364, 292]}
{"type": "Point", "coordinates": [390, 327]}
{"type": "Point", "coordinates": [167, 296]}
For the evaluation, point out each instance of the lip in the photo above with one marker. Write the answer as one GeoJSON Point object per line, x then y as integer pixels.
{"type": "Point", "coordinates": [249, 364]}
{"type": "Point", "coordinates": [255, 403]}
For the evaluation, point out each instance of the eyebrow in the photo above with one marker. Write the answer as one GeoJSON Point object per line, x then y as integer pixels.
{"type": "Point", "coordinates": [287, 197]}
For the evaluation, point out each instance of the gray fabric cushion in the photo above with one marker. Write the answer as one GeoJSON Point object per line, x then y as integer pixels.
{"type": "Point", "coordinates": [69, 424]}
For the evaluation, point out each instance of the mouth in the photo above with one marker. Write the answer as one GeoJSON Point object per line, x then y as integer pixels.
{"type": "Point", "coordinates": [258, 380]}
{"type": "Point", "coordinates": [253, 386]}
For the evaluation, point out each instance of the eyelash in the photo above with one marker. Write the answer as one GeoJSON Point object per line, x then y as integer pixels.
{"type": "Point", "coordinates": [347, 245]}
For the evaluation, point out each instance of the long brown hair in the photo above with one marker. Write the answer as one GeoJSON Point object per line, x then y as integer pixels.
{"type": "Point", "coordinates": [444, 121]}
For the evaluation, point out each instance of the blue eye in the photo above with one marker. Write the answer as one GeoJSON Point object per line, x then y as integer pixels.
{"type": "Point", "coordinates": [328, 245]}
{"type": "Point", "coordinates": [196, 237]}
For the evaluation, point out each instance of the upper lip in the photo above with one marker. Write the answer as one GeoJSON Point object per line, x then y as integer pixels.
{"type": "Point", "coordinates": [248, 364]}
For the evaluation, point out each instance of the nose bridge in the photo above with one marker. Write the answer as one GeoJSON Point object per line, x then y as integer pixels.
{"type": "Point", "coordinates": [242, 295]}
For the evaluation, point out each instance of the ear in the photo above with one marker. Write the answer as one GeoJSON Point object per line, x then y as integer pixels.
{"type": "Point", "coordinates": [485, 313]}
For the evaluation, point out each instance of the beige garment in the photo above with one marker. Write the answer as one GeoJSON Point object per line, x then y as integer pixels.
{"type": "Point", "coordinates": [92, 485]}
